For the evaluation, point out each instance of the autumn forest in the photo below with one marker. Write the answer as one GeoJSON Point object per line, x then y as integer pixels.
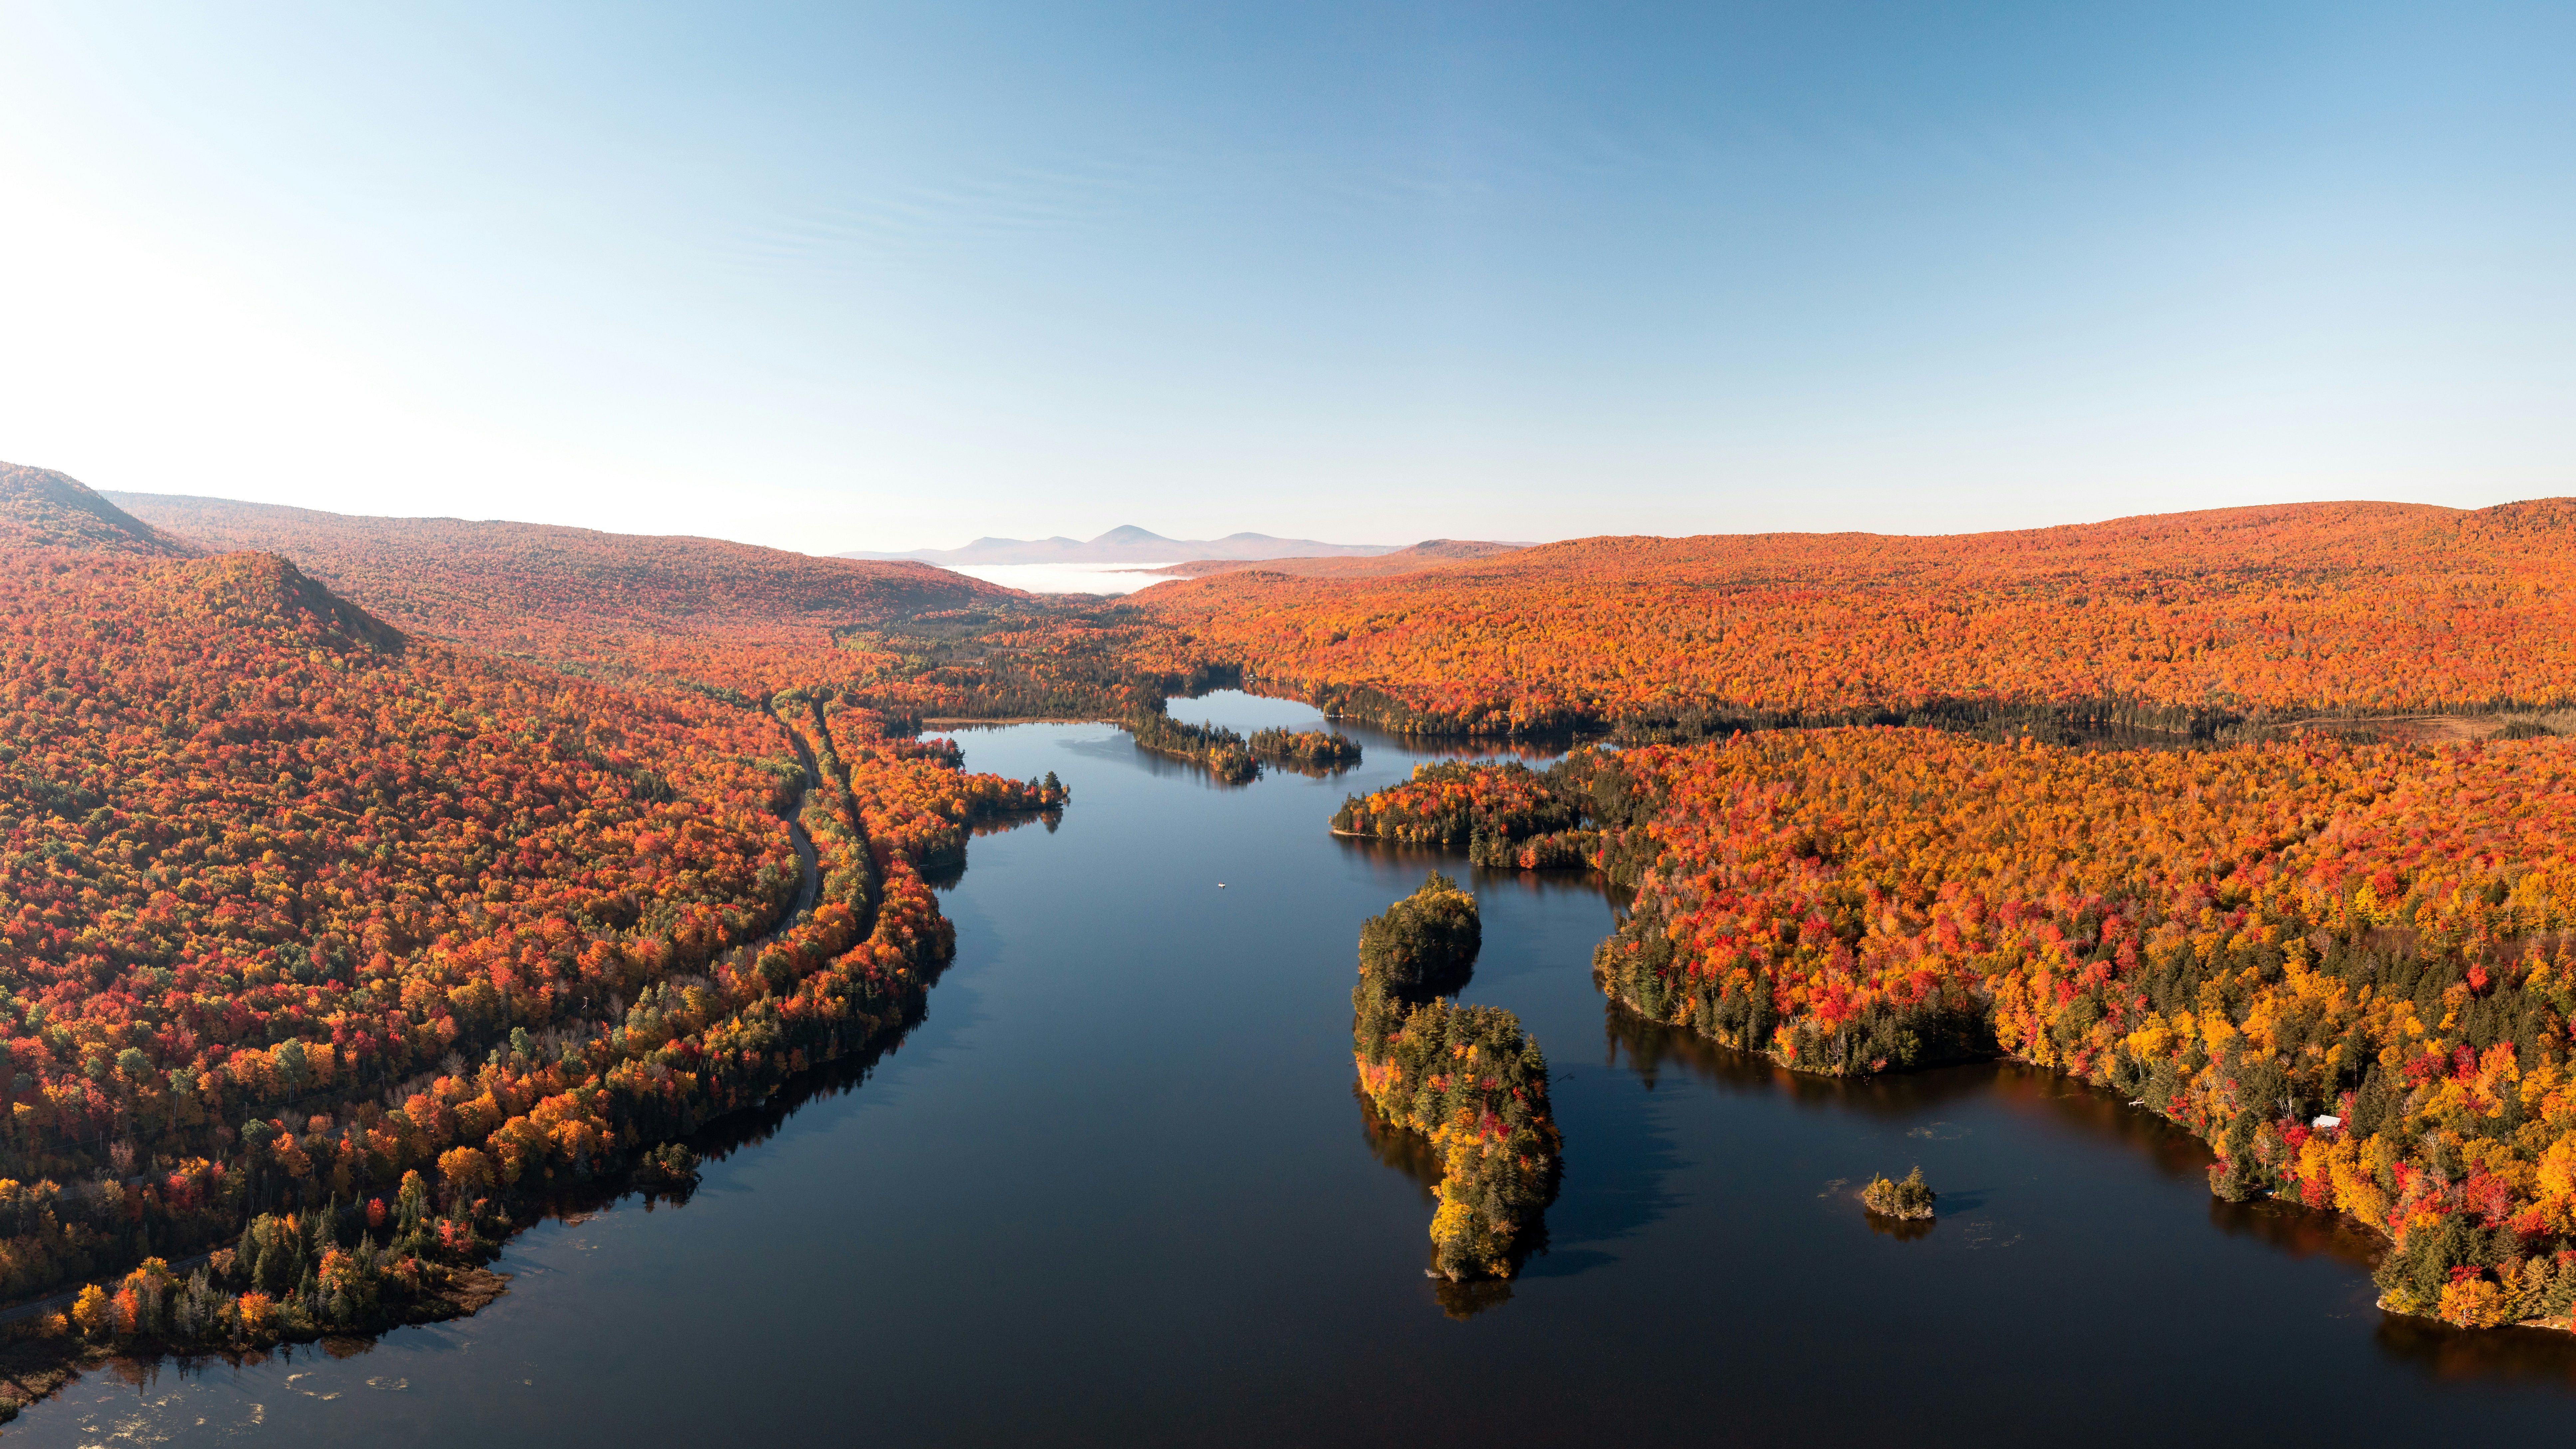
{"type": "Point", "coordinates": [371, 888]}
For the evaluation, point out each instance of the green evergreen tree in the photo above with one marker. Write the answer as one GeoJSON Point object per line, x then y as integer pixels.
{"type": "Point", "coordinates": [1425, 944]}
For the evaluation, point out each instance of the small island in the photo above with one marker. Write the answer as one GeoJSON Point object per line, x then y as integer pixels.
{"type": "Point", "coordinates": [1313, 752]}
{"type": "Point", "coordinates": [1907, 1201]}
{"type": "Point", "coordinates": [1218, 750]}
{"type": "Point", "coordinates": [1225, 754]}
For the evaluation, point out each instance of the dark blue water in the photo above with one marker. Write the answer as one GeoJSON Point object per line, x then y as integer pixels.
{"type": "Point", "coordinates": [1116, 1189]}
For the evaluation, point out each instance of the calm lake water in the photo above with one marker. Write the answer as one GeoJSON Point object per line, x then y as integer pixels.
{"type": "Point", "coordinates": [1116, 1189]}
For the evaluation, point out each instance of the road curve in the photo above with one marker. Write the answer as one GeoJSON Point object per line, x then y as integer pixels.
{"type": "Point", "coordinates": [808, 861]}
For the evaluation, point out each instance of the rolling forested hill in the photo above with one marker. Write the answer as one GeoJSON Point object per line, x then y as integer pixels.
{"type": "Point", "coordinates": [40, 508]}
{"type": "Point", "coordinates": [2169, 621]}
{"type": "Point", "coordinates": [341, 944]}
{"type": "Point", "coordinates": [698, 609]}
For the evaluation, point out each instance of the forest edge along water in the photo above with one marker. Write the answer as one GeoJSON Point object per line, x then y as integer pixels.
{"type": "Point", "coordinates": [1237, 1261]}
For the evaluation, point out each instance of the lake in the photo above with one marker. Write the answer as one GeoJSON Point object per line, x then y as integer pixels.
{"type": "Point", "coordinates": [1116, 1188]}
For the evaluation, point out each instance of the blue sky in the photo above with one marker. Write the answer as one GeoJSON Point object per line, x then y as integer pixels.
{"type": "Point", "coordinates": [881, 277]}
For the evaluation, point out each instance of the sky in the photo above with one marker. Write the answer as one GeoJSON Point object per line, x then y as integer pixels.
{"type": "Point", "coordinates": [886, 276]}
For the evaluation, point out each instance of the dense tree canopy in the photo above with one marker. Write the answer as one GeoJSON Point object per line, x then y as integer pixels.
{"type": "Point", "coordinates": [2165, 621]}
{"type": "Point", "coordinates": [347, 904]}
{"type": "Point", "coordinates": [2347, 967]}
{"type": "Point", "coordinates": [40, 508]}
{"type": "Point", "coordinates": [701, 611]}
{"type": "Point", "coordinates": [1426, 943]}
{"type": "Point", "coordinates": [1472, 1082]}
{"type": "Point", "coordinates": [300, 911]}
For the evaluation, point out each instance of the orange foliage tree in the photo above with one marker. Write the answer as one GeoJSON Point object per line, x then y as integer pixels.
{"type": "Point", "coordinates": [2348, 968]}
{"type": "Point", "coordinates": [2176, 621]}
{"type": "Point", "coordinates": [297, 907]}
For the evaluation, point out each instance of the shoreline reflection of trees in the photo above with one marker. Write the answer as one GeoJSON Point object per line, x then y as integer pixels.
{"type": "Point", "coordinates": [141, 1371]}
{"type": "Point", "coordinates": [1651, 1047]}
{"type": "Point", "coordinates": [1412, 1155]}
{"type": "Point", "coordinates": [1369, 736]}
{"type": "Point", "coordinates": [1904, 1230]}
{"type": "Point", "coordinates": [1452, 747]}
{"type": "Point", "coordinates": [1380, 850]}
{"type": "Point", "coordinates": [570, 1202]}
{"type": "Point", "coordinates": [1409, 1153]}
{"type": "Point", "coordinates": [944, 872]}
{"type": "Point", "coordinates": [2300, 1232]}
{"type": "Point", "coordinates": [1166, 766]}
{"type": "Point", "coordinates": [751, 1126]}
{"type": "Point", "coordinates": [737, 1131]}
{"type": "Point", "coordinates": [2455, 1355]}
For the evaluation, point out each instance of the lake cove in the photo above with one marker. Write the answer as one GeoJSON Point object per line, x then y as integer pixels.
{"type": "Point", "coordinates": [1116, 1187]}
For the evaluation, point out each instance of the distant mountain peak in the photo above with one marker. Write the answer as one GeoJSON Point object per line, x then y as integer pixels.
{"type": "Point", "coordinates": [1130, 533]}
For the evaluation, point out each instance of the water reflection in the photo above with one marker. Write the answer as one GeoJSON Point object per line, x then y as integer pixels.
{"type": "Point", "coordinates": [753, 1126]}
{"type": "Point", "coordinates": [1412, 1154]}
{"type": "Point", "coordinates": [1650, 1048]}
{"type": "Point", "coordinates": [2103, 1116]}
{"type": "Point", "coordinates": [1245, 712]}
{"type": "Point", "coordinates": [1903, 1230]}
{"type": "Point", "coordinates": [2441, 1352]}
{"type": "Point", "coordinates": [944, 873]}
{"type": "Point", "coordinates": [1312, 772]}
{"type": "Point", "coordinates": [1465, 1299]}
{"type": "Point", "coordinates": [2298, 1232]}
{"type": "Point", "coordinates": [947, 872]}
{"type": "Point", "coordinates": [1620, 1165]}
{"type": "Point", "coordinates": [1409, 1153]}
{"type": "Point", "coordinates": [1378, 850]}
{"type": "Point", "coordinates": [570, 1202]}
{"type": "Point", "coordinates": [1132, 1076]}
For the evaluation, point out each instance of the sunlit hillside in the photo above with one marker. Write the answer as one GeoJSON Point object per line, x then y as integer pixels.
{"type": "Point", "coordinates": [40, 508]}
{"type": "Point", "coordinates": [2162, 620]}
{"type": "Point", "coordinates": [695, 609]}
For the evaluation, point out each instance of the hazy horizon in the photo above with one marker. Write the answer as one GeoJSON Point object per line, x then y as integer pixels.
{"type": "Point", "coordinates": [1003, 533]}
{"type": "Point", "coordinates": [875, 281]}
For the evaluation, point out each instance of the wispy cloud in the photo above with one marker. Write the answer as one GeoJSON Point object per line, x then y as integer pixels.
{"type": "Point", "coordinates": [897, 218]}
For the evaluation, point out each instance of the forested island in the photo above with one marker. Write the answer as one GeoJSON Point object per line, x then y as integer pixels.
{"type": "Point", "coordinates": [1466, 1078]}
{"type": "Point", "coordinates": [1226, 754]}
{"type": "Point", "coordinates": [1507, 816]}
{"type": "Point", "coordinates": [1313, 752]}
{"type": "Point", "coordinates": [1907, 1200]}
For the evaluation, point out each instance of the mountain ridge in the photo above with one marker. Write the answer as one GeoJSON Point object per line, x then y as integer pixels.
{"type": "Point", "coordinates": [1126, 543]}
{"type": "Point", "coordinates": [733, 615]}
{"type": "Point", "coordinates": [41, 508]}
